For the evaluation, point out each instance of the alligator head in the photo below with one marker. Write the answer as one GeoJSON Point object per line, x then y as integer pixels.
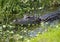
{"type": "Point", "coordinates": [27, 20]}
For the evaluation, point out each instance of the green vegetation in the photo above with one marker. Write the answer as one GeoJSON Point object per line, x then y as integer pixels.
{"type": "Point", "coordinates": [12, 9]}
{"type": "Point", "coordinates": [53, 35]}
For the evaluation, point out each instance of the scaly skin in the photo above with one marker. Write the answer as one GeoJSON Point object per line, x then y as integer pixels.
{"type": "Point", "coordinates": [50, 17]}
{"type": "Point", "coordinates": [29, 20]}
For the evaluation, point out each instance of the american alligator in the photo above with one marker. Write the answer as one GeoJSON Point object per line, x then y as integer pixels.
{"type": "Point", "coordinates": [36, 20]}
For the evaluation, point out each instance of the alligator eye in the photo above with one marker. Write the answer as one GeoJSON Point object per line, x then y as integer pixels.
{"type": "Point", "coordinates": [40, 20]}
{"type": "Point", "coordinates": [28, 17]}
